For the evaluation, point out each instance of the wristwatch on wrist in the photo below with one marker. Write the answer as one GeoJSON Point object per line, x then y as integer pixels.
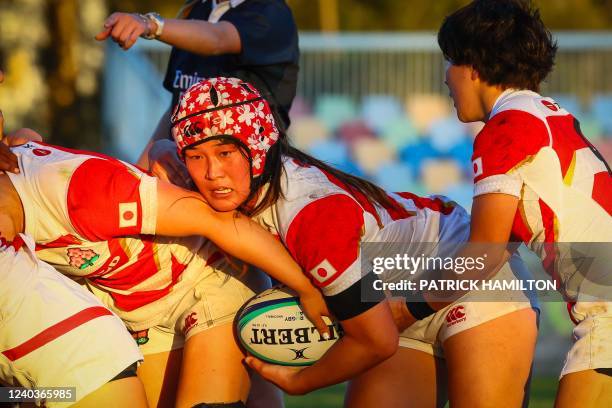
{"type": "Point", "coordinates": [159, 23]}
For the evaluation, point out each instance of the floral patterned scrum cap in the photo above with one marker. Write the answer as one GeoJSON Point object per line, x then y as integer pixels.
{"type": "Point", "coordinates": [225, 107]}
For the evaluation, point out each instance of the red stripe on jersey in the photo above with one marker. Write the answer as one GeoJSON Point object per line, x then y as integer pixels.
{"type": "Point", "coordinates": [116, 259]}
{"type": "Point", "coordinates": [506, 140]}
{"type": "Point", "coordinates": [566, 140]}
{"type": "Point", "coordinates": [435, 204]}
{"type": "Point", "coordinates": [143, 268]}
{"type": "Point", "coordinates": [18, 242]}
{"type": "Point", "coordinates": [61, 242]}
{"type": "Point", "coordinates": [177, 269]}
{"type": "Point", "coordinates": [55, 331]}
{"type": "Point", "coordinates": [396, 211]}
{"type": "Point", "coordinates": [104, 200]}
{"type": "Point", "coordinates": [520, 229]}
{"type": "Point", "coordinates": [328, 229]}
{"type": "Point", "coordinates": [602, 191]}
{"type": "Point", "coordinates": [138, 299]}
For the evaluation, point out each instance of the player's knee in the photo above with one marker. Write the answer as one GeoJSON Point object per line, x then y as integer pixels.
{"type": "Point", "coordinates": [237, 404]}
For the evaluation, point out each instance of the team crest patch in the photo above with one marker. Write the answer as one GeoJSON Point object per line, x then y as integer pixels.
{"type": "Point", "coordinates": [81, 258]}
{"type": "Point", "coordinates": [141, 336]}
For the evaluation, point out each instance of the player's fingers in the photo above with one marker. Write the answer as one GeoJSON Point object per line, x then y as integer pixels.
{"type": "Point", "coordinates": [23, 135]}
{"type": "Point", "coordinates": [111, 20]}
{"type": "Point", "coordinates": [104, 34]}
{"type": "Point", "coordinates": [322, 327]}
{"type": "Point", "coordinates": [117, 30]}
{"type": "Point", "coordinates": [160, 172]}
{"type": "Point", "coordinates": [125, 34]}
{"type": "Point", "coordinates": [179, 174]}
{"type": "Point", "coordinates": [256, 364]}
{"type": "Point", "coordinates": [8, 161]}
{"type": "Point", "coordinates": [267, 371]}
{"type": "Point", "coordinates": [132, 38]}
{"type": "Point", "coordinates": [109, 24]}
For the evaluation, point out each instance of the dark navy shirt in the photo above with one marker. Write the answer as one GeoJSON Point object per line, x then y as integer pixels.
{"type": "Point", "coordinates": [268, 60]}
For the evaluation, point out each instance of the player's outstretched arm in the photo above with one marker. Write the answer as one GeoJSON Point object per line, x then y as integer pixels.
{"type": "Point", "coordinates": [183, 213]}
{"type": "Point", "coordinates": [196, 36]}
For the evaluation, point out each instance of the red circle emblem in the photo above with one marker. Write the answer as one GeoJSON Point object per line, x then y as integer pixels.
{"type": "Point", "coordinates": [41, 152]}
{"type": "Point", "coordinates": [550, 105]}
{"type": "Point", "coordinates": [322, 272]}
{"type": "Point", "coordinates": [128, 215]}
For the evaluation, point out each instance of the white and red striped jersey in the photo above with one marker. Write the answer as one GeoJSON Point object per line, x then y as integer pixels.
{"type": "Point", "coordinates": [533, 149]}
{"type": "Point", "coordinates": [91, 216]}
{"type": "Point", "coordinates": [323, 223]}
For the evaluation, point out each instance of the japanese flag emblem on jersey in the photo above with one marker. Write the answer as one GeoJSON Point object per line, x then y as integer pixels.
{"type": "Point", "coordinates": [477, 164]}
{"type": "Point", "coordinates": [128, 215]}
{"type": "Point", "coordinates": [323, 271]}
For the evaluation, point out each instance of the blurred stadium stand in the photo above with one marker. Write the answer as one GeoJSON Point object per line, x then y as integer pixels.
{"type": "Point", "coordinates": [375, 105]}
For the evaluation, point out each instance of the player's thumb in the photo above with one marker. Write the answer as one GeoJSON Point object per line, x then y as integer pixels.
{"type": "Point", "coordinates": [254, 363]}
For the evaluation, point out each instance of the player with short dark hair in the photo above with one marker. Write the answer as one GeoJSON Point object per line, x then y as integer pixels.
{"type": "Point", "coordinates": [537, 179]}
{"type": "Point", "coordinates": [505, 41]}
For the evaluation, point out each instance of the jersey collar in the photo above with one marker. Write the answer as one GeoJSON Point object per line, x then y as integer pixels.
{"type": "Point", "coordinates": [505, 96]}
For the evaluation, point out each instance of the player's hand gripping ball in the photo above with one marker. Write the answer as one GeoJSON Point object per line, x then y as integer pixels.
{"type": "Point", "coordinates": [273, 328]}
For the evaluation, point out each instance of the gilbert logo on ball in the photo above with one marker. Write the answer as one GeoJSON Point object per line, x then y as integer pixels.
{"type": "Point", "coordinates": [273, 328]}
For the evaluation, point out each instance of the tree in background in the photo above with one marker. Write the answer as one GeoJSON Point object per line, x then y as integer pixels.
{"type": "Point", "coordinates": [393, 15]}
{"type": "Point", "coordinates": [53, 68]}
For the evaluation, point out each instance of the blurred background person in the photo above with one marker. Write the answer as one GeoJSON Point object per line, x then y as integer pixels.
{"type": "Point", "coordinates": [255, 40]}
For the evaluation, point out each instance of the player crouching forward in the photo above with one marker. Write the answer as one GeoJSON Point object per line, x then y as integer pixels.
{"type": "Point", "coordinates": [226, 134]}
{"type": "Point", "coordinates": [170, 286]}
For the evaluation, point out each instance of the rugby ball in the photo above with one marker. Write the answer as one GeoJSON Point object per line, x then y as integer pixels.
{"type": "Point", "coordinates": [272, 327]}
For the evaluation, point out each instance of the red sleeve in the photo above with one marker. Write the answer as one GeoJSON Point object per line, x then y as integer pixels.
{"type": "Point", "coordinates": [324, 238]}
{"type": "Point", "coordinates": [508, 139]}
{"type": "Point", "coordinates": [108, 199]}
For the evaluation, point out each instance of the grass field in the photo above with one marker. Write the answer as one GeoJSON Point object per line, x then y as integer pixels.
{"type": "Point", "coordinates": [542, 396]}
